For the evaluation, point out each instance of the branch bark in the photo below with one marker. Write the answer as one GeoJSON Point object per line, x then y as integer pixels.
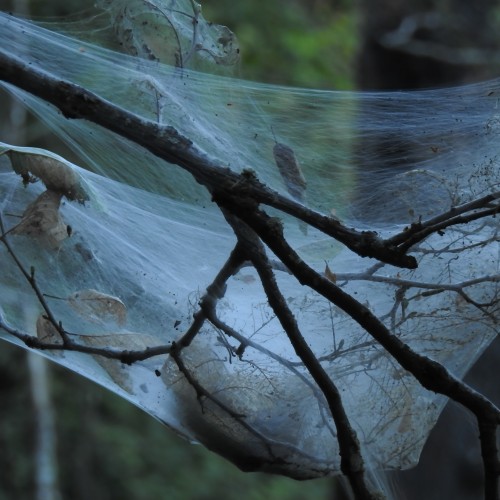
{"type": "Point", "coordinates": [167, 143]}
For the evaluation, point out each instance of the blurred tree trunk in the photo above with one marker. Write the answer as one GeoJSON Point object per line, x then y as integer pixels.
{"type": "Point", "coordinates": [425, 43]}
{"type": "Point", "coordinates": [45, 461]}
{"type": "Point", "coordinates": [45, 436]}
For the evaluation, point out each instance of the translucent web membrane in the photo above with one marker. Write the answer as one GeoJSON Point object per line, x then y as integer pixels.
{"type": "Point", "coordinates": [126, 267]}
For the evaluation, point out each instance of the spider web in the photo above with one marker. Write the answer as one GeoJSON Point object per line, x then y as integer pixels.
{"type": "Point", "coordinates": [147, 240]}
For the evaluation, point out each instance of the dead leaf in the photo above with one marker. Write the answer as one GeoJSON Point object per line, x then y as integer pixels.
{"type": "Point", "coordinates": [56, 175]}
{"type": "Point", "coordinates": [98, 307]}
{"type": "Point", "coordinates": [119, 372]}
{"type": "Point", "coordinates": [42, 220]}
{"type": "Point", "coordinates": [290, 171]}
{"type": "Point", "coordinates": [329, 274]}
{"type": "Point", "coordinates": [46, 332]}
{"type": "Point", "coordinates": [291, 174]}
{"type": "Point", "coordinates": [173, 33]}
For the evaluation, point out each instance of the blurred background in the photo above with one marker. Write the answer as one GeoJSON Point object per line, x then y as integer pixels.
{"type": "Point", "coordinates": [62, 437]}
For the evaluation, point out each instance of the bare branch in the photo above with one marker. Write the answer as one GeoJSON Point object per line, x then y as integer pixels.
{"type": "Point", "coordinates": [352, 464]}
{"type": "Point", "coordinates": [167, 143]}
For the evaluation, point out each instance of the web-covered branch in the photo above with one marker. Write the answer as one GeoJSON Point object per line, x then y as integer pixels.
{"type": "Point", "coordinates": [233, 261]}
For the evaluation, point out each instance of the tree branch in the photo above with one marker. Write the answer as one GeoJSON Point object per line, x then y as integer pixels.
{"type": "Point", "coordinates": [352, 464]}
{"type": "Point", "coordinates": [431, 374]}
{"type": "Point", "coordinates": [167, 143]}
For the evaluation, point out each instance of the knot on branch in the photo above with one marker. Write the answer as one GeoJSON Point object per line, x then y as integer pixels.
{"type": "Point", "coordinates": [238, 192]}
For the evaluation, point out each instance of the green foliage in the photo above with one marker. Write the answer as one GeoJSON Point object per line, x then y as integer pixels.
{"type": "Point", "coordinates": [289, 42]}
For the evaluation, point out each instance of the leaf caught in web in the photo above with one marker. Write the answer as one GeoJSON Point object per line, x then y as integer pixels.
{"type": "Point", "coordinates": [290, 171]}
{"type": "Point", "coordinates": [55, 172]}
{"type": "Point", "coordinates": [46, 332]}
{"type": "Point", "coordinates": [330, 274]}
{"type": "Point", "coordinates": [98, 307]}
{"type": "Point", "coordinates": [172, 32]}
{"type": "Point", "coordinates": [42, 220]}
{"type": "Point", "coordinates": [119, 372]}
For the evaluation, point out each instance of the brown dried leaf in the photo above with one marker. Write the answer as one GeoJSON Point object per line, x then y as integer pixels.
{"type": "Point", "coordinates": [56, 175]}
{"type": "Point", "coordinates": [46, 332]}
{"type": "Point", "coordinates": [290, 171]}
{"type": "Point", "coordinates": [42, 220]}
{"type": "Point", "coordinates": [291, 174]}
{"type": "Point", "coordinates": [119, 372]}
{"type": "Point", "coordinates": [330, 274]}
{"type": "Point", "coordinates": [98, 307]}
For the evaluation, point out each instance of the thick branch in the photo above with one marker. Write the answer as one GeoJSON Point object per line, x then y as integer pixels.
{"type": "Point", "coordinates": [167, 143]}
{"type": "Point", "coordinates": [431, 374]}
